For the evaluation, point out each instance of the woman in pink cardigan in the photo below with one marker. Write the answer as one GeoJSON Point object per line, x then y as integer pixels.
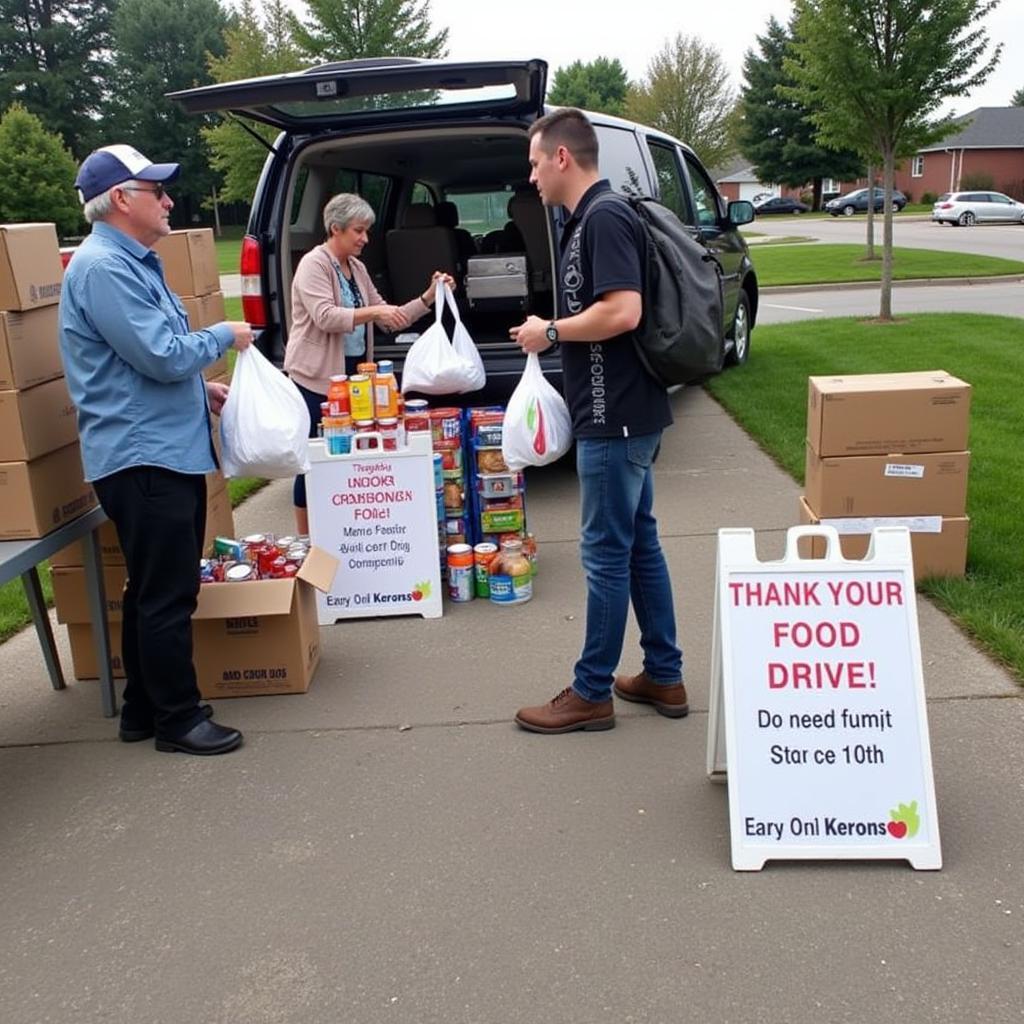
{"type": "Point", "coordinates": [334, 309]}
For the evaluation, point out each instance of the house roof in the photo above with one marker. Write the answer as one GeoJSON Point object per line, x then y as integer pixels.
{"type": "Point", "coordinates": [985, 128]}
{"type": "Point", "coordinates": [737, 168]}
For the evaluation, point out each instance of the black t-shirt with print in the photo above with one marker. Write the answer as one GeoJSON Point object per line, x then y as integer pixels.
{"type": "Point", "coordinates": [607, 389]}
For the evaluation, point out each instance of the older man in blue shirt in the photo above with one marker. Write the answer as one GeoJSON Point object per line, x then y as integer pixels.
{"type": "Point", "coordinates": [134, 370]}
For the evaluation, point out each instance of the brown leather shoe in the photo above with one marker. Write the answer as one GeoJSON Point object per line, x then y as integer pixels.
{"type": "Point", "coordinates": [667, 700]}
{"type": "Point", "coordinates": [566, 713]}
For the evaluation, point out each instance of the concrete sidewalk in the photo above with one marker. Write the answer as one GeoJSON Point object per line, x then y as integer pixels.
{"type": "Point", "coordinates": [389, 847]}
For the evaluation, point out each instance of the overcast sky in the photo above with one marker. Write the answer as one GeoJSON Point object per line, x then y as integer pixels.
{"type": "Point", "coordinates": [561, 31]}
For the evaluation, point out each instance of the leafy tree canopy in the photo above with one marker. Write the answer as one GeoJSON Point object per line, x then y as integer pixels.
{"type": "Point", "coordinates": [599, 85]}
{"type": "Point", "coordinates": [37, 173]}
{"type": "Point", "coordinates": [1018, 98]}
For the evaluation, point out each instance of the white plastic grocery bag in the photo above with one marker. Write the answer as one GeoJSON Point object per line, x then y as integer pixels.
{"type": "Point", "coordinates": [465, 346]}
{"type": "Point", "coordinates": [537, 428]}
{"type": "Point", "coordinates": [264, 425]}
{"type": "Point", "coordinates": [432, 365]}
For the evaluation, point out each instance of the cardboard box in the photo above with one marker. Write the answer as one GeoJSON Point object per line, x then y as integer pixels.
{"type": "Point", "coordinates": [220, 520]}
{"type": "Point", "coordinates": [939, 544]}
{"type": "Point", "coordinates": [30, 267]}
{"type": "Point", "coordinates": [37, 496]}
{"type": "Point", "coordinates": [71, 598]}
{"type": "Point", "coordinates": [190, 261]}
{"type": "Point", "coordinates": [262, 637]}
{"type": "Point", "coordinates": [83, 651]}
{"type": "Point", "coordinates": [29, 350]}
{"type": "Point", "coordinates": [879, 413]}
{"type": "Point", "coordinates": [933, 483]}
{"type": "Point", "coordinates": [36, 421]}
{"type": "Point", "coordinates": [110, 550]}
{"type": "Point", "coordinates": [204, 310]}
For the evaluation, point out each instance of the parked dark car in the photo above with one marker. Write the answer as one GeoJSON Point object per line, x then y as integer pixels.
{"type": "Point", "coordinates": [439, 149]}
{"type": "Point", "coordinates": [780, 204]}
{"type": "Point", "coordinates": [857, 202]}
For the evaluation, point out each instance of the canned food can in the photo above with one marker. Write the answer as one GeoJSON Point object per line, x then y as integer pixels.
{"type": "Point", "coordinates": [360, 391]}
{"type": "Point", "coordinates": [445, 424]}
{"type": "Point", "coordinates": [483, 555]}
{"type": "Point", "coordinates": [227, 547]}
{"type": "Point", "coordinates": [460, 572]}
{"type": "Point", "coordinates": [239, 572]}
{"type": "Point", "coordinates": [438, 471]}
{"type": "Point", "coordinates": [417, 415]}
{"type": "Point", "coordinates": [388, 434]}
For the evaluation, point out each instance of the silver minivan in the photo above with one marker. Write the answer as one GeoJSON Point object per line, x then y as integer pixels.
{"type": "Point", "coordinates": [967, 208]}
{"type": "Point", "coordinates": [439, 149]}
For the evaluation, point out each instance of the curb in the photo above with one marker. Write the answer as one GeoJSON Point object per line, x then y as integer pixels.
{"type": "Point", "coordinates": [915, 282]}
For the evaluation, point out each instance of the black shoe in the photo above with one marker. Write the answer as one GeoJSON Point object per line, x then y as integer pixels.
{"type": "Point", "coordinates": [128, 734]}
{"type": "Point", "coordinates": [205, 738]}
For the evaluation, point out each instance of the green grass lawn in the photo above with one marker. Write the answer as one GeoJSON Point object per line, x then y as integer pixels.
{"type": "Point", "coordinates": [815, 264]}
{"type": "Point", "coordinates": [229, 246]}
{"type": "Point", "coordinates": [768, 398]}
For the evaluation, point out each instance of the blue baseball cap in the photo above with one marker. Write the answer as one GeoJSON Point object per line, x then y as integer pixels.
{"type": "Point", "coordinates": [104, 168]}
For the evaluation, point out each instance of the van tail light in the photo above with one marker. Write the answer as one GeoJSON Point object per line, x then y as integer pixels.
{"type": "Point", "coordinates": [254, 305]}
{"type": "Point", "coordinates": [945, 206]}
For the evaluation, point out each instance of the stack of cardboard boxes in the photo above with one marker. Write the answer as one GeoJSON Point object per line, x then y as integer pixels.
{"type": "Point", "coordinates": [41, 480]}
{"type": "Point", "coordinates": [890, 448]}
{"type": "Point", "coordinates": [191, 268]}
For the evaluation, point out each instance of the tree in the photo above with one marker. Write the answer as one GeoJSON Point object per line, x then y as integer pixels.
{"type": "Point", "coordinates": [874, 72]}
{"type": "Point", "coordinates": [53, 60]}
{"type": "Point", "coordinates": [37, 173]}
{"type": "Point", "coordinates": [162, 46]}
{"type": "Point", "coordinates": [1018, 98]}
{"type": "Point", "coordinates": [350, 29]}
{"type": "Point", "coordinates": [254, 48]}
{"type": "Point", "coordinates": [687, 94]}
{"type": "Point", "coordinates": [775, 132]}
{"type": "Point", "coordinates": [599, 85]}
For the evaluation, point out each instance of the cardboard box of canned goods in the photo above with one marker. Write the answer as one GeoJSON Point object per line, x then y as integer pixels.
{"type": "Point", "coordinates": [190, 261]}
{"type": "Point", "coordinates": [260, 637]}
{"type": "Point", "coordinates": [879, 413]}
{"type": "Point", "coordinates": [37, 496]}
{"type": "Point", "coordinates": [938, 543]}
{"type": "Point", "coordinates": [30, 267]}
{"type": "Point", "coordinates": [29, 351]}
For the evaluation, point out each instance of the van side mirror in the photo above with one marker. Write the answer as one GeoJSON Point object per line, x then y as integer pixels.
{"type": "Point", "coordinates": [741, 212]}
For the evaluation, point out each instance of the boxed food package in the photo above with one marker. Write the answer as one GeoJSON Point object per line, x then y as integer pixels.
{"type": "Point", "coordinates": [83, 651]}
{"type": "Point", "coordinates": [220, 520]}
{"type": "Point", "coordinates": [37, 420]}
{"type": "Point", "coordinates": [932, 483]}
{"type": "Point", "coordinates": [879, 413]}
{"type": "Point", "coordinates": [260, 637]}
{"type": "Point", "coordinates": [938, 543]}
{"type": "Point", "coordinates": [110, 550]}
{"type": "Point", "coordinates": [37, 496]}
{"type": "Point", "coordinates": [29, 350]}
{"type": "Point", "coordinates": [190, 261]}
{"type": "Point", "coordinates": [71, 596]}
{"type": "Point", "coordinates": [204, 310]}
{"type": "Point", "coordinates": [30, 267]}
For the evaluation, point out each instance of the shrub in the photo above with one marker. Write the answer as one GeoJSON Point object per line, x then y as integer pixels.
{"type": "Point", "coordinates": [979, 181]}
{"type": "Point", "coordinates": [928, 197]}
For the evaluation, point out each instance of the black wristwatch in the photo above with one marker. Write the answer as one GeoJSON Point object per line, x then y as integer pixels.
{"type": "Point", "coordinates": [551, 333]}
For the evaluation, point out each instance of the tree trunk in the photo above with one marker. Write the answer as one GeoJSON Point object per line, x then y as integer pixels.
{"type": "Point", "coordinates": [216, 213]}
{"type": "Point", "coordinates": [870, 253]}
{"type": "Point", "coordinates": [885, 303]}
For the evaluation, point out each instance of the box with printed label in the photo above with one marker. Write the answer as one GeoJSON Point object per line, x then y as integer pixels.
{"type": "Point", "coordinates": [220, 520]}
{"type": "Point", "coordinates": [83, 651]}
{"type": "Point", "coordinates": [938, 543]}
{"type": "Point", "coordinates": [29, 351]}
{"type": "Point", "coordinates": [879, 413]}
{"type": "Point", "coordinates": [37, 496]}
{"type": "Point", "coordinates": [933, 483]}
{"type": "Point", "coordinates": [260, 637]}
{"type": "Point", "coordinates": [71, 596]}
{"type": "Point", "coordinates": [36, 421]}
{"type": "Point", "coordinates": [30, 267]}
{"type": "Point", "coordinates": [110, 549]}
{"type": "Point", "coordinates": [190, 261]}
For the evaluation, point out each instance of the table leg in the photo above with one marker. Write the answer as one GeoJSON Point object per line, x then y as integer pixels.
{"type": "Point", "coordinates": [41, 618]}
{"type": "Point", "coordinates": [98, 613]}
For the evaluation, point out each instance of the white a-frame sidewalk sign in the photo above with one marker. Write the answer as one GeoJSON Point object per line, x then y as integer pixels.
{"type": "Point", "coordinates": [817, 701]}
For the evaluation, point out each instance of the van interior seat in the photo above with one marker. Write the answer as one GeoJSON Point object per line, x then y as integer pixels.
{"type": "Point", "coordinates": [530, 220]}
{"type": "Point", "coordinates": [418, 248]}
{"type": "Point", "coordinates": [448, 217]}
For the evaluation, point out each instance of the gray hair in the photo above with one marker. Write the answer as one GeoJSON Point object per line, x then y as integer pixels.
{"type": "Point", "coordinates": [346, 208]}
{"type": "Point", "coordinates": [98, 208]}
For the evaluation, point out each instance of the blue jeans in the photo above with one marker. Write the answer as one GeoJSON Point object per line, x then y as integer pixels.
{"type": "Point", "coordinates": [623, 562]}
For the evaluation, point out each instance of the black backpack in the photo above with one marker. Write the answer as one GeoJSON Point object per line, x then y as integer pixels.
{"type": "Point", "coordinates": [679, 338]}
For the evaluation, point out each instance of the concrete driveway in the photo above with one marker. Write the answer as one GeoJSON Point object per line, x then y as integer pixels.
{"type": "Point", "coordinates": [390, 848]}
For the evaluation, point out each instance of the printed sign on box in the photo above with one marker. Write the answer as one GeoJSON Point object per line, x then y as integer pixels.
{"type": "Point", "coordinates": [817, 672]}
{"type": "Point", "coordinates": [376, 512]}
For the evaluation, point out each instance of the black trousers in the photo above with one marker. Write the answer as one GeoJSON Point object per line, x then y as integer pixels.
{"type": "Point", "coordinates": [160, 517]}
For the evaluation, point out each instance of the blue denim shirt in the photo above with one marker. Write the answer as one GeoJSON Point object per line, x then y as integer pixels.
{"type": "Point", "coordinates": [133, 368]}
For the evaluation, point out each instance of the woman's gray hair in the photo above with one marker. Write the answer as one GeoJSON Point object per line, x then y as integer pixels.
{"type": "Point", "coordinates": [98, 207]}
{"type": "Point", "coordinates": [347, 208]}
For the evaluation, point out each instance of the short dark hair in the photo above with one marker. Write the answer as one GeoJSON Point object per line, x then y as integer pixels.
{"type": "Point", "coordinates": [568, 127]}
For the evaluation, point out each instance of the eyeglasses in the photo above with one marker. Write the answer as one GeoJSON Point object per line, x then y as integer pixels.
{"type": "Point", "coordinates": [158, 190]}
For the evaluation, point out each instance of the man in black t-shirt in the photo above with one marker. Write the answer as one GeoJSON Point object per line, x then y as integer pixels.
{"type": "Point", "coordinates": [618, 412]}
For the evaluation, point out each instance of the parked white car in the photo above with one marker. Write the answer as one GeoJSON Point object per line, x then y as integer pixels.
{"type": "Point", "coordinates": [967, 208]}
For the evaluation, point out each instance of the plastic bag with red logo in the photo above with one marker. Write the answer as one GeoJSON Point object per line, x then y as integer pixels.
{"type": "Point", "coordinates": [537, 428]}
